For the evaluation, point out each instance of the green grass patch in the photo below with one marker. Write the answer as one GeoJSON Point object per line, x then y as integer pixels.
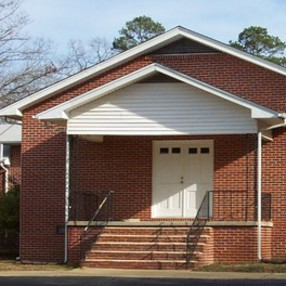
{"type": "Point", "coordinates": [11, 265]}
{"type": "Point", "coordinates": [245, 267]}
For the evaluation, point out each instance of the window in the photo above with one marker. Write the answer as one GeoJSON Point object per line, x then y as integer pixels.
{"type": "Point", "coordinates": [176, 150]}
{"type": "Point", "coordinates": [193, 151]}
{"type": "Point", "coordinates": [205, 150]}
{"type": "Point", "coordinates": [6, 151]}
{"type": "Point", "coordinates": [164, 150]}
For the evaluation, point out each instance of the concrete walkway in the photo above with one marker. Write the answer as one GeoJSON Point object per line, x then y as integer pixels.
{"type": "Point", "coordinates": [144, 274]}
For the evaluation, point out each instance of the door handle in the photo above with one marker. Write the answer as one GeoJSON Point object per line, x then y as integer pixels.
{"type": "Point", "coordinates": [182, 180]}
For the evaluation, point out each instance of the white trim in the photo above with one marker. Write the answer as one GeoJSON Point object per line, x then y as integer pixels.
{"type": "Point", "coordinates": [170, 36]}
{"type": "Point", "coordinates": [61, 111]}
{"type": "Point", "coordinates": [3, 165]}
{"type": "Point", "coordinates": [259, 187]}
{"type": "Point", "coordinates": [67, 193]}
{"type": "Point", "coordinates": [161, 223]}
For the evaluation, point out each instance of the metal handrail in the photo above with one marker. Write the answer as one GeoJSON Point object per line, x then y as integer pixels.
{"type": "Point", "coordinates": [197, 227]}
{"type": "Point", "coordinates": [98, 210]}
{"type": "Point", "coordinates": [209, 209]}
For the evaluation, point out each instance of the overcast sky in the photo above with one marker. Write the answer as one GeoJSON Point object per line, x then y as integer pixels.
{"type": "Point", "coordinates": [222, 20]}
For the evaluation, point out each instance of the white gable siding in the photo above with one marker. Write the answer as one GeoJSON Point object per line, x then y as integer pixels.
{"type": "Point", "coordinates": [160, 109]}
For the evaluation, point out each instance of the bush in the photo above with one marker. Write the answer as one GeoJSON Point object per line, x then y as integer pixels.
{"type": "Point", "coordinates": [9, 219]}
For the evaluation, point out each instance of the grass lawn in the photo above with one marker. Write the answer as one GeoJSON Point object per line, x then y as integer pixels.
{"type": "Point", "coordinates": [11, 265]}
{"type": "Point", "coordinates": [247, 267]}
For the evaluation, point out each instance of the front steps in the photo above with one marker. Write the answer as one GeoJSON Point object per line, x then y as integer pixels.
{"type": "Point", "coordinates": [146, 248]}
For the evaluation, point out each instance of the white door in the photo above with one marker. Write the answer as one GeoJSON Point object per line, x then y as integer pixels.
{"type": "Point", "coordinates": [182, 173]}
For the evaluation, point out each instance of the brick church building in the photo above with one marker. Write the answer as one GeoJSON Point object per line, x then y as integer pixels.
{"type": "Point", "coordinates": [167, 156]}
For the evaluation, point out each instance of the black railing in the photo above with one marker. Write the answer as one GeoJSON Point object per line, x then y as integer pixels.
{"type": "Point", "coordinates": [197, 227]}
{"type": "Point", "coordinates": [106, 206]}
{"type": "Point", "coordinates": [239, 206]}
{"type": "Point", "coordinates": [83, 205]}
{"type": "Point", "coordinates": [225, 206]}
{"type": "Point", "coordinates": [103, 213]}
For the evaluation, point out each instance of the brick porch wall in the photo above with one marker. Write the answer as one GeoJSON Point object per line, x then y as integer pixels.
{"type": "Point", "coordinates": [43, 153]}
{"type": "Point", "coordinates": [239, 244]}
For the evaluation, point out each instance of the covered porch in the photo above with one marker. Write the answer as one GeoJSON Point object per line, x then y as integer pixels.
{"type": "Point", "coordinates": [222, 181]}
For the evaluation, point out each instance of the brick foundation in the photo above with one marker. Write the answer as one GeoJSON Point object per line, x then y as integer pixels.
{"type": "Point", "coordinates": [239, 244]}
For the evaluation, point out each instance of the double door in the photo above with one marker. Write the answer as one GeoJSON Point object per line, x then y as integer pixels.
{"type": "Point", "coordinates": [182, 173]}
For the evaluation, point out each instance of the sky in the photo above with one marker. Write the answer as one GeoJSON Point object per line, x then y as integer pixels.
{"type": "Point", "coordinates": [223, 20]}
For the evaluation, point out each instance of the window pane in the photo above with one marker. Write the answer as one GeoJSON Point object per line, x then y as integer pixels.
{"type": "Point", "coordinates": [205, 150]}
{"type": "Point", "coordinates": [6, 150]}
{"type": "Point", "coordinates": [193, 150]}
{"type": "Point", "coordinates": [176, 150]}
{"type": "Point", "coordinates": [164, 150]}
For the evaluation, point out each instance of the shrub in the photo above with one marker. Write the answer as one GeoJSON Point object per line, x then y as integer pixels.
{"type": "Point", "coordinates": [9, 218]}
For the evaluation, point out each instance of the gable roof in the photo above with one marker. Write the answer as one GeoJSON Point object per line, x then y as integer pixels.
{"type": "Point", "coordinates": [61, 111]}
{"type": "Point", "coordinates": [15, 109]}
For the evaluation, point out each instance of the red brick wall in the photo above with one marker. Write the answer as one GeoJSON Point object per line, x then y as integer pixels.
{"type": "Point", "coordinates": [15, 169]}
{"type": "Point", "coordinates": [266, 243]}
{"type": "Point", "coordinates": [274, 182]}
{"type": "Point", "coordinates": [239, 244]}
{"type": "Point", "coordinates": [43, 152]}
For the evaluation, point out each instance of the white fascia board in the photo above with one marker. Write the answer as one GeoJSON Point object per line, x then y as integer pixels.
{"type": "Point", "coordinates": [16, 108]}
{"type": "Point", "coordinates": [61, 111]}
{"type": "Point", "coordinates": [146, 47]}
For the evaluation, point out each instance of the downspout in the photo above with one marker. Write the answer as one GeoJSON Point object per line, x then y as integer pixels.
{"type": "Point", "coordinates": [259, 187]}
{"type": "Point", "coordinates": [67, 190]}
{"type": "Point", "coordinates": [6, 177]}
{"type": "Point", "coordinates": [5, 169]}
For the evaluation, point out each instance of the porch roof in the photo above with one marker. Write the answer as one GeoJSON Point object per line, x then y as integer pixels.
{"type": "Point", "coordinates": [62, 111]}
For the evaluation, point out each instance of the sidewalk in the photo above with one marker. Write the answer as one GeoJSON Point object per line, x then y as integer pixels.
{"type": "Point", "coordinates": [146, 274]}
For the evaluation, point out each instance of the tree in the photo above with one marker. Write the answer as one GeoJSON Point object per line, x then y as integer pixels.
{"type": "Point", "coordinates": [137, 31]}
{"type": "Point", "coordinates": [9, 217]}
{"type": "Point", "coordinates": [256, 41]}
{"type": "Point", "coordinates": [26, 64]}
{"type": "Point", "coordinates": [81, 56]}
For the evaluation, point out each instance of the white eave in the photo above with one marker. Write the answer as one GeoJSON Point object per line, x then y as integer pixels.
{"type": "Point", "coordinates": [61, 111]}
{"type": "Point", "coordinates": [15, 109]}
{"type": "Point", "coordinates": [10, 134]}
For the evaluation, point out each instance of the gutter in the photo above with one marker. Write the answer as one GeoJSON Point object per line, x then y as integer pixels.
{"type": "Point", "coordinates": [259, 188]}
{"type": "Point", "coordinates": [5, 169]}
{"type": "Point", "coordinates": [67, 189]}
{"type": "Point", "coordinates": [6, 176]}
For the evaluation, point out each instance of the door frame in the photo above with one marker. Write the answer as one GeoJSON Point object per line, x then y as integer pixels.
{"type": "Point", "coordinates": [168, 143]}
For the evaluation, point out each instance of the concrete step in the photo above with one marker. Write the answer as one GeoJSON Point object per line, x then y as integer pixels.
{"type": "Point", "coordinates": [138, 255]}
{"type": "Point", "coordinates": [139, 264]}
{"type": "Point", "coordinates": [144, 238]}
{"type": "Point", "coordinates": [150, 230]}
{"type": "Point", "coordinates": [143, 246]}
